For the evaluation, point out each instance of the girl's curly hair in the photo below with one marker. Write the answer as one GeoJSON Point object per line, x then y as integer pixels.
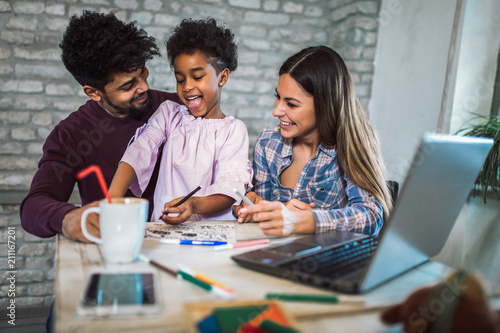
{"type": "Point", "coordinates": [215, 42]}
{"type": "Point", "coordinates": [97, 46]}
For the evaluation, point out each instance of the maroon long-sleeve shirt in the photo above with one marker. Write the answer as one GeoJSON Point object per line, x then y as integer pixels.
{"type": "Point", "coordinates": [87, 136]}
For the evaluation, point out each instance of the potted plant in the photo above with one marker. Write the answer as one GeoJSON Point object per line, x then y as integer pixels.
{"type": "Point", "coordinates": [474, 242]}
{"type": "Point", "coordinates": [489, 175]}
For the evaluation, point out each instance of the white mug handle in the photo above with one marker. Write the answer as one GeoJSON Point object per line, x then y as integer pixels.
{"type": "Point", "coordinates": [84, 224]}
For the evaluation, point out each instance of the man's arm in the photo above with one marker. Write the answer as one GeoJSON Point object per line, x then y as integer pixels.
{"type": "Point", "coordinates": [46, 204]}
{"type": "Point", "coordinates": [45, 211]}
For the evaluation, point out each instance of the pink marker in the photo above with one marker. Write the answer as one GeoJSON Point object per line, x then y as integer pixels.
{"type": "Point", "coordinates": [241, 244]}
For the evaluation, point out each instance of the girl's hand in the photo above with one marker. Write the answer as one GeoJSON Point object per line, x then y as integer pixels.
{"type": "Point", "coordinates": [177, 215]}
{"type": "Point", "coordinates": [208, 205]}
{"type": "Point", "coordinates": [275, 219]}
{"type": "Point", "coordinates": [244, 217]}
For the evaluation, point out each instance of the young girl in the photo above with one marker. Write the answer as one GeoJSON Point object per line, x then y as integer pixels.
{"type": "Point", "coordinates": [323, 159]}
{"type": "Point", "coordinates": [201, 146]}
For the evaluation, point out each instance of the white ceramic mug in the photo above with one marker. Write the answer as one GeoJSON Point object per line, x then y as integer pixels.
{"type": "Point", "coordinates": [122, 224]}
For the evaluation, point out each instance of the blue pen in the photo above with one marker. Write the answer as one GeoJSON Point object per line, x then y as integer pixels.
{"type": "Point", "coordinates": [191, 242]}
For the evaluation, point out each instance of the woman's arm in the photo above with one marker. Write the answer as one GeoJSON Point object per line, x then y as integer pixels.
{"type": "Point", "coordinates": [277, 220]}
{"type": "Point", "coordinates": [123, 178]}
{"type": "Point", "coordinates": [362, 213]}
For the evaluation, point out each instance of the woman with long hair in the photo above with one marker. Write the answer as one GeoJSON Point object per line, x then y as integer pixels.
{"type": "Point", "coordinates": [321, 168]}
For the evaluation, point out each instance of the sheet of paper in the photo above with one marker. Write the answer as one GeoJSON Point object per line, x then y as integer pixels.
{"type": "Point", "coordinates": [192, 230]}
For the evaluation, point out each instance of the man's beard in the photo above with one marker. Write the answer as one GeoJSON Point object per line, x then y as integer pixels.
{"type": "Point", "coordinates": [133, 112]}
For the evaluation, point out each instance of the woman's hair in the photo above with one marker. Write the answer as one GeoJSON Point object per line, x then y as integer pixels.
{"type": "Point", "coordinates": [215, 42]}
{"type": "Point", "coordinates": [96, 46]}
{"type": "Point", "coordinates": [322, 73]}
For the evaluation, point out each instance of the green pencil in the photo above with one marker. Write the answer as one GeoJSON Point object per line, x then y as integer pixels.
{"type": "Point", "coordinates": [214, 290]}
{"type": "Point", "coordinates": [316, 298]}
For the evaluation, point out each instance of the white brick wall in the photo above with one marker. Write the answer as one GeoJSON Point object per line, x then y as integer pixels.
{"type": "Point", "coordinates": [36, 92]}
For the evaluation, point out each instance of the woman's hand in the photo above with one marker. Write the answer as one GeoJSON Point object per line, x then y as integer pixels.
{"type": "Point", "coordinates": [275, 219]}
{"type": "Point", "coordinates": [245, 217]}
{"type": "Point", "coordinates": [296, 204]}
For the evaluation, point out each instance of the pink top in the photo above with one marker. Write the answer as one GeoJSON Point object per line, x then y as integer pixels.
{"type": "Point", "coordinates": [211, 153]}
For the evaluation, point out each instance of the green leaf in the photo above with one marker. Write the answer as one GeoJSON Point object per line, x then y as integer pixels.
{"type": "Point", "coordinates": [489, 175]}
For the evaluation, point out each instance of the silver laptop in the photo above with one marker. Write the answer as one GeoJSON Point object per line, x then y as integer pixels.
{"type": "Point", "coordinates": [434, 191]}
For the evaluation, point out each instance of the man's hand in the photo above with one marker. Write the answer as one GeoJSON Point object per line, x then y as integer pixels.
{"type": "Point", "coordinates": [72, 228]}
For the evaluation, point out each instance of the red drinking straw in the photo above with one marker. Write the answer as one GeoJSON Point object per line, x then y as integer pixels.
{"type": "Point", "coordinates": [95, 169]}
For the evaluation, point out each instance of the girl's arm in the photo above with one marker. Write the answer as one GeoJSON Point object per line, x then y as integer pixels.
{"type": "Point", "coordinates": [123, 178]}
{"type": "Point", "coordinates": [211, 204]}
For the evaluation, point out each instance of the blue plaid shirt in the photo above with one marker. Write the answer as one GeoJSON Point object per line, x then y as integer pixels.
{"type": "Point", "coordinates": [339, 203]}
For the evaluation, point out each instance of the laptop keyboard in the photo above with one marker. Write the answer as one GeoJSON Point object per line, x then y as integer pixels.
{"type": "Point", "coordinates": [335, 262]}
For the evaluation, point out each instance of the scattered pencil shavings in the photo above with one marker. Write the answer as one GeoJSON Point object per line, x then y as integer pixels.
{"type": "Point", "coordinates": [254, 316]}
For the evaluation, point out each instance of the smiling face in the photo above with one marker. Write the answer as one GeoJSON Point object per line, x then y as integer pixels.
{"type": "Point", "coordinates": [198, 85]}
{"type": "Point", "coordinates": [295, 109]}
{"type": "Point", "coordinates": [126, 95]}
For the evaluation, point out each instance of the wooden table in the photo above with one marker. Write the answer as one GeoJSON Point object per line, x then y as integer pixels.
{"type": "Point", "coordinates": [75, 261]}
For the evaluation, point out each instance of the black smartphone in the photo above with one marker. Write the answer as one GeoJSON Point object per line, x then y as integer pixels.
{"type": "Point", "coordinates": [120, 294]}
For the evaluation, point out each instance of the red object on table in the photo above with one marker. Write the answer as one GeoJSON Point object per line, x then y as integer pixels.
{"type": "Point", "coordinates": [95, 169]}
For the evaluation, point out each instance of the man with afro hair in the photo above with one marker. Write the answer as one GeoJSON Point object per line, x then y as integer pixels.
{"type": "Point", "coordinates": [108, 59]}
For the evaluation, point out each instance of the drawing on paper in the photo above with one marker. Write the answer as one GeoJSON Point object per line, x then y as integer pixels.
{"type": "Point", "coordinates": [192, 231]}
